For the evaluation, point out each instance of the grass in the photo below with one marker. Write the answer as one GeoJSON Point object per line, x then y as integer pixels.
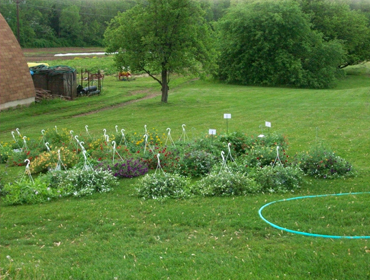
{"type": "Point", "coordinates": [118, 235]}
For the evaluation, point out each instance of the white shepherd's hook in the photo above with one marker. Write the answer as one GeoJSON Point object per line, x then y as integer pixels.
{"type": "Point", "coordinates": [28, 169]}
{"type": "Point", "coordinates": [183, 127]}
{"type": "Point", "coordinates": [71, 132]}
{"type": "Point", "coordinates": [43, 131]}
{"type": "Point", "coordinates": [229, 154]}
{"type": "Point", "coordinates": [47, 146]}
{"type": "Point", "coordinates": [169, 136]}
{"type": "Point", "coordinates": [116, 128]}
{"type": "Point", "coordinates": [86, 127]}
{"type": "Point", "coordinates": [159, 165]}
{"type": "Point", "coordinates": [17, 129]}
{"type": "Point", "coordinates": [59, 155]}
{"type": "Point", "coordinates": [146, 142]}
{"type": "Point", "coordinates": [277, 156]}
{"type": "Point", "coordinates": [114, 149]}
{"type": "Point", "coordinates": [13, 136]}
{"type": "Point", "coordinates": [122, 131]}
{"type": "Point", "coordinates": [123, 137]}
{"type": "Point", "coordinates": [107, 138]}
{"type": "Point", "coordinates": [146, 131]}
{"type": "Point", "coordinates": [25, 143]}
{"type": "Point", "coordinates": [82, 147]}
{"type": "Point", "coordinates": [56, 129]}
{"type": "Point", "coordinates": [76, 138]}
{"type": "Point", "coordinates": [105, 132]}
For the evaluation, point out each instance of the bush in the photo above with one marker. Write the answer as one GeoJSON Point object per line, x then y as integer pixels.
{"type": "Point", "coordinates": [79, 182]}
{"type": "Point", "coordinates": [49, 160]}
{"type": "Point", "coordinates": [279, 178]}
{"type": "Point", "coordinates": [128, 168]}
{"type": "Point", "coordinates": [263, 155]}
{"type": "Point", "coordinates": [196, 163]}
{"type": "Point", "coordinates": [5, 151]}
{"type": "Point", "coordinates": [57, 184]}
{"type": "Point", "coordinates": [162, 186]}
{"type": "Point", "coordinates": [225, 183]}
{"type": "Point", "coordinates": [321, 162]}
{"type": "Point", "coordinates": [28, 192]}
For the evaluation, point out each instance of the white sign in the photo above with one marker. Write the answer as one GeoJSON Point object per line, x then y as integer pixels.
{"type": "Point", "coordinates": [212, 132]}
{"type": "Point", "coordinates": [227, 116]}
{"type": "Point", "coordinates": [267, 124]}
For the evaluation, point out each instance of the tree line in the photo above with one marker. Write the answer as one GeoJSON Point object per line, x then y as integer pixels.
{"type": "Point", "coordinates": [73, 23]}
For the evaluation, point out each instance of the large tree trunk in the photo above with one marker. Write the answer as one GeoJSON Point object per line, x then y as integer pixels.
{"type": "Point", "coordinates": [165, 87]}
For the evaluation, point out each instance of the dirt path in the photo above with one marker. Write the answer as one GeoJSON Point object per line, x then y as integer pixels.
{"type": "Point", "coordinates": [150, 94]}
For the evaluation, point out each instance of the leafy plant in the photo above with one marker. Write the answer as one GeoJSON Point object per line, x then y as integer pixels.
{"type": "Point", "coordinates": [321, 162]}
{"type": "Point", "coordinates": [279, 178]}
{"type": "Point", "coordinates": [264, 155]}
{"type": "Point", "coordinates": [226, 183]}
{"type": "Point", "coordinates": [127, 168]}
{"type": "Point", "coordinates": [162, 186]}
{"type": "Point", "coordinates": [80, 182]}
{"type": "Point", "coordinates": [196, 163]}
{"type": "Point", "coordinates": [49, 160]}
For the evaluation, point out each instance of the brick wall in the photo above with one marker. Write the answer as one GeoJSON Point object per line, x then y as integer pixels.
{"type": "Point", "coordinates": [16, 85]}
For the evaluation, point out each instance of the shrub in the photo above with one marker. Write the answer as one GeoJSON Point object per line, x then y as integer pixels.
{"type": "Point", "coordinates": [56, 184]}
{"type": "Point", "coordinates": [25, 191]}
{"type": "Point", "coordinates": [18, 158]}
{"type": "Point", "coordinates": [321, 162]}
{"type": "Point", "coordinates": [79, 182]}
{"type": "Point", "coordinates": [196, 163]}
{"type": "Point", "coordinates": [49, 160]}
{"type": "Point", "coordinates": [279, 178]}
{"type": "Point", "coordinates": [225, 183]}
{"type": "Point", "coordinates": [5, 151]}
{"type": "Point", "coordinates": [128, 168]}
{"type": "Point", "coordinates": [264, 155]}
{"type": "Point", "coordinates": [162, 186]}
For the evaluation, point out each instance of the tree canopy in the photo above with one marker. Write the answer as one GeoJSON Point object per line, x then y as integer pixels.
{"type": "Point", "coordinates": [162, 37]}
{"type": "Point", "coordinates": [337, 21]}
{"type": "Point", "coordinates": [271, 43]}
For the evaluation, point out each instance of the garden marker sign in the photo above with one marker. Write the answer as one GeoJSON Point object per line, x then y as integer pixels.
{"type": "Point", "coordinates": [227, 117]}
{"type": "Point", "coordinates": [268, 124]}
{"type": "Point", "coordinates": [212, 132]}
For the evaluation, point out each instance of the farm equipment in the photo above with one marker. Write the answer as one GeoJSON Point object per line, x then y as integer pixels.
{"type": "Point", "coordinates": [87, 87]}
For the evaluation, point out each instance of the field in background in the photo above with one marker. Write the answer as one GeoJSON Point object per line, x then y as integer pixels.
{"type": "Point", "coordinates": [118, 236]}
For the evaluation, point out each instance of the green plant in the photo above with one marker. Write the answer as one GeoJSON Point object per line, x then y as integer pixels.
{"type": "Point", "coordinates": [161, 186]}
{"type": "Point", "coordinates": [80, 182]}
{"type": "Point", "coordinates": [196, 163]}
{"type": "Point", "coordinates": [226, 183]}
{"type": "Point", "coordinates": [321, 162]}
{"type": "Point", "coordinates": [5, 151]}
{"type": "Point", "coordinates": [128, 168]}
{"type": "Point", "coordinates": [279, 178]}
{"type": "Point", "coordinates": [260, 156]}
{"type": "Point", "coordinates": [25, 191]}
{"type": "Point", "coordinates": [49, 160]}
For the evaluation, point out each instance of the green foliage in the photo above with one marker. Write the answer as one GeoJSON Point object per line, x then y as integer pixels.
{"type": "Point", "coordinates": [161, 36]}
{"type": "Point", "coordinates": [196, 163]}
{"type": "Point", "coordinates": [162, 186]}
{"type": "Point", "coordinates": [49, 160]}
{"type": "Point", "coordinates": [25, 191]}
{"type": "Point", "coordinates": [337, 21]}
{"type": "Point", "coordinates": [260, 156]}
{"type": "Point", "coordinates": [278, 178]}
{"type": "Point", "coordinates": [73, 182]}
{"type": "Point", "coordinates": [322, 162]}
{"type": "Point", "coordinates": [271, 43]}
{"type": "Point", "coordinates": [225, 183]}
{"type": "Point", "coordinates": [5, 151]}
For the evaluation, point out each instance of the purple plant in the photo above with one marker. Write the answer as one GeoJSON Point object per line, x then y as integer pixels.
{"type": "Point", "coordinates": [129, 168]}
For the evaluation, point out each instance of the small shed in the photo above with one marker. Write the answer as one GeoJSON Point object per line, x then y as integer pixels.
{"type": "Point", "coordinates": [59, 80]}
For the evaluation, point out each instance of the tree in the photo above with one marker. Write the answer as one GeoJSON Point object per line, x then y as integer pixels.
{"type": "Point", "coordinates": [271, 43]}
{"type": "Point", "coordinates": [337, 21]}
{"type": "Point", "coordinates": [71, 25]}
{"type": "Point", "coordinates": [161, 36]}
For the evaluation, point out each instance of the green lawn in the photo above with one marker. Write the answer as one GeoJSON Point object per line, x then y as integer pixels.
{"type": "Point", "coordinates": [119, 236]}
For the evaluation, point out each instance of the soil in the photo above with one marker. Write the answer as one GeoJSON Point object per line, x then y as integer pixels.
{"type": "Point", "coordinates": [42, 54]}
